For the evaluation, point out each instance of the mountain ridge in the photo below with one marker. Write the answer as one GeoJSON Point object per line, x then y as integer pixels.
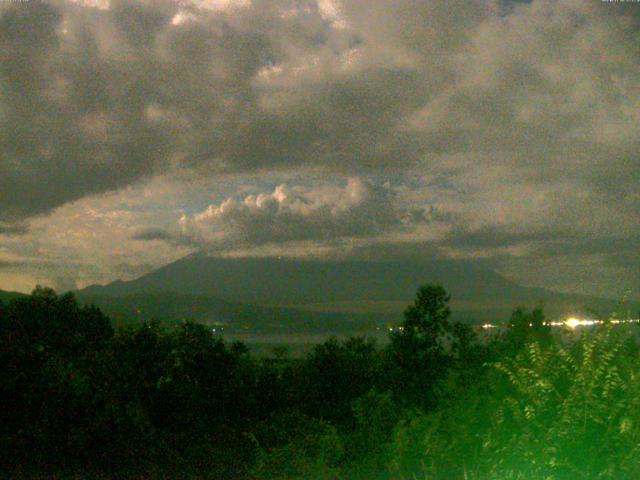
{"type": "Point", "coordinates": [478, 293]}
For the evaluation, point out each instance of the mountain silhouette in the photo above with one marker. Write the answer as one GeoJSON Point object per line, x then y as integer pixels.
{"type": "Point", "coordinates": [208, 288]}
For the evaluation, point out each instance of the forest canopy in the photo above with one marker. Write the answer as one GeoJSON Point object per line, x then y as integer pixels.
{"type": "Point", "coordinates": [438, 401]}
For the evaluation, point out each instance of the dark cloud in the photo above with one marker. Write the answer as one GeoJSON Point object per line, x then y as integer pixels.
{"type": "Point", "coordinates": [615, 249]}
{"type": "Point", "coordinates": [153, 234]}
{"type": "Point", "coordinates": [72, 119]}
{"type": "Point", "coordinates": [26, 263]}
{"type": "Point", "coordinates": [15, 228]}
{"type": "Point", "coordinates": [10, 264]}
{"type": "Point", "coordinates": [491, 237]}
{"type": "Point", "coordinates": [96, 99]}
{"type": "Point", "coordinates": [524, 112]}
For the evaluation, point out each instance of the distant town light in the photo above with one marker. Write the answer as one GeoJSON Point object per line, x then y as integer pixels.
{"type": "Point", "coordinates": [572, 322]}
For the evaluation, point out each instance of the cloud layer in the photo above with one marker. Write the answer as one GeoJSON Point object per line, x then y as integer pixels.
{"type": "Point", "coordinates": [96, 99]}
{"type": "Point", "coordinates": [516, 119]}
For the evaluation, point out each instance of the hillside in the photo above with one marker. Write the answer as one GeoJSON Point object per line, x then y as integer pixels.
{"type": "Point", "coordinates": [7, 296]}
{"type": "Point", "coordinates": [287, 292]}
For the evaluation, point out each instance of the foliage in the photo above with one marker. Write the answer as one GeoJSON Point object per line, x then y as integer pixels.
{"type": "Point", "coordinates": [84, 401]}
{"type": "Point", "coordinates": [336, 374]}
{"type": "Point", "coordinates": [571, 413]}
{"type": "Point", "coordinates": [552, 412]}
{"type": "Point", "coordinates": [527, 327]}
{"type": "Point", "coordinates": [302, 447]}
{"type": "Point", "coordinates": [417, 347]}
{"type": "Point", "coordinates": [367, 445]}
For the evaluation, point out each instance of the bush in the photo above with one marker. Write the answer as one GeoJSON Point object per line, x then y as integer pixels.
{"type": "Point", "coordinates": [555, 412]}
{"type": "Point", "coordinates": [302, 448]}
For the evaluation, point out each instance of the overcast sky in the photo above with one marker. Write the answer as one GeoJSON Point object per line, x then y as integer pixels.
{"type": "Point", "coordinates": [133, 133]}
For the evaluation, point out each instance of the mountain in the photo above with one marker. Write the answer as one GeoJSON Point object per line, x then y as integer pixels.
{"type": "Point", "coordinates": [276, 281]}
{"type": "Point", "coordinates": [7, 296]}
{"type": "Point", "coordinates": [263, 291]}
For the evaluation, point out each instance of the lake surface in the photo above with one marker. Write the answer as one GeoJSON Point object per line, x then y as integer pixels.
{"type": "Point", "coordinates": [297, 343]}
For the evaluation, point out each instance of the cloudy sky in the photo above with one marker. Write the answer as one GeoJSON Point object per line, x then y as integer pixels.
{"type": "Point", "coordinates": [502, 131]}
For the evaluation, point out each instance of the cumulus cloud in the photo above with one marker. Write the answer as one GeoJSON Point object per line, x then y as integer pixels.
{"type": "Point", "coordinates": [295, 214]}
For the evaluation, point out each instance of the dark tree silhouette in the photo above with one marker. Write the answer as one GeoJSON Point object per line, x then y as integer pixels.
{"type": "Point", "coordinates": [418, 346]}
{"type": "Point", "coordinates": [528, 326]}
{"type": "Point", "coordinates": [337, 373]}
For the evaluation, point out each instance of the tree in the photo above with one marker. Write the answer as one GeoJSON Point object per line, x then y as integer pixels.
{"type": "Point", "coordinates": [299, 447]}
{"type": "Point", "coordinates": [525, 327]}
{"type": "Point", "coordinates": [54, 323]}
{"type": "Point", "coordinates": [417, 347]}
{"type": "Point", "coordinates": [49, 346]}
{"type": "Point", "coordinates": [338, 373]}
{"type": "Point", "coordinates": [428, 317]}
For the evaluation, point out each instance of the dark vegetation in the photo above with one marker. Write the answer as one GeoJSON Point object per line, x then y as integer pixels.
{"type": "Point", "coordinates": [82, 400]}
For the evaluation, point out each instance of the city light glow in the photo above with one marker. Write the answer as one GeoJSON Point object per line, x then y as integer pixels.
{"type": "Point", "coordinates": [572, 323]}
